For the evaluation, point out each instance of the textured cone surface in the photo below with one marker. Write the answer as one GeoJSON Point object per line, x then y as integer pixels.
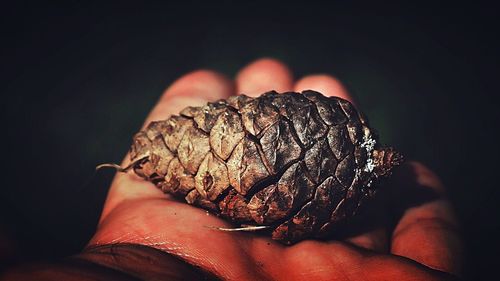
{"type": "Point", "coordinates": [299, 163]}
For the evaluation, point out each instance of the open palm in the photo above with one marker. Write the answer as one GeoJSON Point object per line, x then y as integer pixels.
{"type": "Point", "coordinates": [411, 235]}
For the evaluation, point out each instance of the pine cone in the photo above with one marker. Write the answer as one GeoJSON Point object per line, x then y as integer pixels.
{"type": "Point", "coordinates": [299, 163]}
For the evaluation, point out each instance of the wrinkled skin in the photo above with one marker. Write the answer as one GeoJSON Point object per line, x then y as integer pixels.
{"type": "Point", "coordinates": [410, 234]}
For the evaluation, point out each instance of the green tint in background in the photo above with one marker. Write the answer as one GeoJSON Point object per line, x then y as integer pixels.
{"type": "Point", "coordinates": [78, 80]}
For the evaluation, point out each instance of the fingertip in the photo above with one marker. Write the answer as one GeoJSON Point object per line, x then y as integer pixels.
{"type": "Point", "coordinates": [206, 84]}
{"type": "Point", "coordinates": [264, 75]}
{"type": "Point", "coordinates": [375, 240]}
{"type": "Point", "coordinates": [193, 89]}
{"type": "Point", "coordinates": [426, 177]}
{"type": "Point", "coordinates": [420, 175]}
{"type": "Point", "coordinates": [323, 83]}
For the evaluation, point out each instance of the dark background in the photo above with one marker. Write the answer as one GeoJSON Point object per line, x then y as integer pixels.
{"type": "Point", "coordinates": [78, 79]}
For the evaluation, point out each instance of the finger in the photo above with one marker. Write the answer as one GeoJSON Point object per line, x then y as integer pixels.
{"type": "Point", "coordinates": [368, 228]}
{"type": "Point", "coordinates": [264, 75]}
{"type": "Point", "coordinates": [323, 83]}
{"type": "Point", "coordinates": [193, 89]}
{"type": "Point", "coordinates": [374, 238]}
{"type": "Point", "coordinates": [336, 261]}
{"type": "Point", "coordinates": [427, 231]}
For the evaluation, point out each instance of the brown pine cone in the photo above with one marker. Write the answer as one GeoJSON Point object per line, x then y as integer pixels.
{"type": "Point", "coordinates": [299, 163]}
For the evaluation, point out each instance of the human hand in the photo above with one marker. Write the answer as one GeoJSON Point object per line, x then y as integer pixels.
{"type": "Point", "coordinates": [411, 236]}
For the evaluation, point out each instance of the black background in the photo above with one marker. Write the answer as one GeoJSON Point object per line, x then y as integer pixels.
{"type": "Point", "coordinates": [78, 79]}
